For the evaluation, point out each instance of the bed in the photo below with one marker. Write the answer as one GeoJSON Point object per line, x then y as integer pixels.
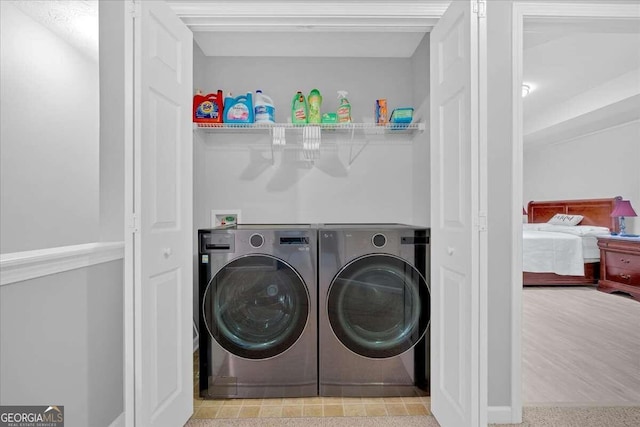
{"type": "Point", "coordinates": [565, 255]}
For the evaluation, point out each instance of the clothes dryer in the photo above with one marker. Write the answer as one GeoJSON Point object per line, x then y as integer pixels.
{"type": "Point", "coordinates": [258, 302]}
{"type": "Point", "coordinates": [374, 310]}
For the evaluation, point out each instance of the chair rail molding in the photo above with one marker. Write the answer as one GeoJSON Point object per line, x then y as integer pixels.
{"type": "Point", "coordinates": [21, 266]}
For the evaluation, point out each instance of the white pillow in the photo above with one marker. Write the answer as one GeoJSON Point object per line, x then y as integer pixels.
{"type": "Point", "coordinates": [562, 219]}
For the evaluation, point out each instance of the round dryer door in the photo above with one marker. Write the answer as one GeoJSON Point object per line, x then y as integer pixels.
{"type": "Point", "coordinates": [256, 306]}
{"type": "Point", "coordinates": [379, 306]}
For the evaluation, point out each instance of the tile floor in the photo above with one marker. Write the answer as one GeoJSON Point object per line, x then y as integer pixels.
{"type": "Point", "coordinates": [311, 407]}
{"type": "Point", "coordinates": [306, 407]}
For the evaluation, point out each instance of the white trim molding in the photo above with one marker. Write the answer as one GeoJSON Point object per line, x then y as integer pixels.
{"type": "Point", "coordinates": [118, 422]}
{"type": "Point", "coordinates": [499, 415]}
{"type": "Point", "coordinates": [20, 266]}
{"type": "Point", "coordinates": [330, 15]}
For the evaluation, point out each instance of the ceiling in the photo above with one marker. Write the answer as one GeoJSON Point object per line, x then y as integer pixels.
{"type": "Point", "coordinates": [585, 76]}
{"type": "Point", "coordinates": [75, 21]}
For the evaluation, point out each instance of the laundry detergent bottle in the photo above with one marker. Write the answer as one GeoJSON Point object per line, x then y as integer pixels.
{"type": "Point", "coordinates": [208, 108]}
{"type": "Point", "coordinates": [315, 102]}
{"type": "Point", "coordinates": [238, 109]}
{"type": "Point", "coordinates": [264, 110]}
{"type": "Point", "coordinates": [299, 110]}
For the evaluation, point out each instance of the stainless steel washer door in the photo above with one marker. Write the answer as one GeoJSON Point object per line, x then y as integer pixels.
{"type": "Point", "coordinates": [378, 306]}
{"type": "Point", "coordinates": [256, 306]}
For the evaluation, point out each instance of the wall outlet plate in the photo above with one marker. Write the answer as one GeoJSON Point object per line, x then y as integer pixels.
{"type": "Point", "coordinates": [225, 217]}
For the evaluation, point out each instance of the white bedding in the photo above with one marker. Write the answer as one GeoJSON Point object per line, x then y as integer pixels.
{"type": "Point", "coordinates": [559, 249]}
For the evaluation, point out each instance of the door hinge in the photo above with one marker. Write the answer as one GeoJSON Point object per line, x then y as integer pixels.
{"type": "Point", "coordinates": [480, 8]}
{"type": "Point", "coordinates": [481, 221]}
{"type": "Point", "coordinates": [133, 223]}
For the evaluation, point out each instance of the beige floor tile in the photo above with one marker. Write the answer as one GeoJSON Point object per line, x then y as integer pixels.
{"type": "Point", "coordinates": [228, 412]}
{"type": "Point", "coordinates": [312, 400]}
{"type": "Point", "coordinates": [354, 410]}
{"type": "Point", "coordinates": [392, 399]}
{"type": "Point", "coordinates": [270, 411]}
{"type": "Point", "coordinates": [292, 411]}
{"type": "Point", "coordinates": [413, 399]}
{"type": "Point", "coordinates": [312, 410]}
{"type": "Point", "coordinates": [197, 403]}
{"type": "Point", "coordinates": [396, 409]}
{"type": "Point", "coordinates": [332, 401]}
{"type": "Point", "coordinates": [211, 403]}
{"type": "Point", "coordinates": [233, 402]}
{"type": "Point", "coordinates": [332, 410]}
{"type": "Point", "coordinates": [249, 412]}
{"type": "Point", "coordinates": [416, 409]}
{"type": "Point", "coordinates": [372, 400]}
{"type": "Point", "coordinates": [351, 400]}
{"type": "Point", "coordinates": [206, 413]}
{"type": "Point", "coordinates": [375, 410]}
{"type": "Point", "coordinates": [271, 402]}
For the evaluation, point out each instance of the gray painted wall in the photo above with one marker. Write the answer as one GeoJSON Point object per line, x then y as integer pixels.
{"type": "Point", "coordinates": [603, 164]}
{"type": "Point", "coordinates": [500, 152]}
{"type": "Point", "coordinates": [49, 133]}
{"type": "Point", "coordinates": [62, 343]}
{"type": "Point", "coordinates": [112, 129]}
{"type": "Point", "coordinates": [377, 186]}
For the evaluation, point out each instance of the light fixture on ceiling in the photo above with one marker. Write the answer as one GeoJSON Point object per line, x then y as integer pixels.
{"type": "Point", "coordinates": [526, 89]}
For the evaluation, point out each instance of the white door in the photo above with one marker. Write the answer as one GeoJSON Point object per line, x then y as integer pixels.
{"type": "Point", "coordinates": [455, 193]}
{"type": "Point", "coordinates": [163, 205]}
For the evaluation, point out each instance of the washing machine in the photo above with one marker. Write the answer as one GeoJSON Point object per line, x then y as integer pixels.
{"type": "Point", "coordinates": [258, 319]}
{"type": "Point", "coordinates": [374, 310]}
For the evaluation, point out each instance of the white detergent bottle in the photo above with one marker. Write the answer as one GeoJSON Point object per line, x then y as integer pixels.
{"type": "Point", "coordinates": [264, 110]}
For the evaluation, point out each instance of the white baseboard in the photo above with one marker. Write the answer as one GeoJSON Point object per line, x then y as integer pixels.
{"type": "Point", "coordinates": [118, 422]}
{"type": "Point", "coordinates": [502, 415]}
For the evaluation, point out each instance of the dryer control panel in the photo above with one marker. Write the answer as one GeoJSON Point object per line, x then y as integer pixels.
{"type": "Point", "coordinates": [217, 242]}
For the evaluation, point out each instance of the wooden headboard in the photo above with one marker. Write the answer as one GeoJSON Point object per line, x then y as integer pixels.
{"type": "Point", "coordinates": [595, 211]}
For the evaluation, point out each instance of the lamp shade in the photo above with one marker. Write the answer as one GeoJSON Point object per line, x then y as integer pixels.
{"type": "Point", "coordinates": [623, 208]}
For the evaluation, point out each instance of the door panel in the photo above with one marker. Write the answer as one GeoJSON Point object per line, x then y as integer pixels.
{"type": "Point", "coordinates": [163, 204]}
{"type": "Point", "coordinates": [454, 195]}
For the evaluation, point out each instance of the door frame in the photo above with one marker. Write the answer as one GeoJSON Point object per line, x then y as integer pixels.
{"type": "Point", "coordinates": [521, 11]}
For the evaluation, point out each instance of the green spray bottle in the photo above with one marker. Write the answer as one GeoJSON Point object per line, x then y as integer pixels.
{"type": "Point", "coordinates": [344, 107]}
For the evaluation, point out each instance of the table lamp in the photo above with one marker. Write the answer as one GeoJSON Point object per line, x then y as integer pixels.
{"type": "Point", "coordinates": [623, 208]}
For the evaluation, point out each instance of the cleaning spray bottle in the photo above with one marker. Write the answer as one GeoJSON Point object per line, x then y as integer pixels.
{"type": "Point", "coordinates": [344, 107]}
{"type": "Point", "coordinates": [299, 110]}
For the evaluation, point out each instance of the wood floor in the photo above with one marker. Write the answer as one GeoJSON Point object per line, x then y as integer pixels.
{"type": "Point", "coordinates": [580, 347]}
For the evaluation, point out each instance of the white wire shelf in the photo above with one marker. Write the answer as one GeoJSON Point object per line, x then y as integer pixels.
{"type": "Point", "coordinates": [309, 137]}
{"type": "Point", "coordinates": [373, 127]}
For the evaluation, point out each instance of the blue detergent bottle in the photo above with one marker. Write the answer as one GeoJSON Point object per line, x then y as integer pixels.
{"type": "Point", "coordinates": [239, 109]}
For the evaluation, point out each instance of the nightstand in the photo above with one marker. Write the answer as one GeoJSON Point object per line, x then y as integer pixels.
{"type": "Point", "coordinates": [620, 265]}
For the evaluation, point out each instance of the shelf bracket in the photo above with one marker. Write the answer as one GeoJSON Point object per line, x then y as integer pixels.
{"type": "Point", "coordinates": [278, 139]}
{"type": "Point", "coordinates": [311, 139]}
{"type": "Point", "coordinates": [353, 158]}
